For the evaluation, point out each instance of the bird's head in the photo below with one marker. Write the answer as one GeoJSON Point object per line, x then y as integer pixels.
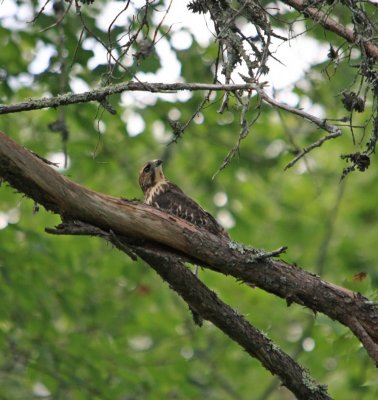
{"type": "Point", "coordinates": [151, 174]}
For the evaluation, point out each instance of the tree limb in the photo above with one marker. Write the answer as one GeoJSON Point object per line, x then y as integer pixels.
{"type": "Point", "coordinates": [135, 220]}
{"type": "Point", "coordinates": [330, 24]}
{"type": "Point", "coordinates": [322, 123]}
{"type": "Point", "coordinates": [207, 304]}
{"type": "Point", "coordinates": [101, 94]}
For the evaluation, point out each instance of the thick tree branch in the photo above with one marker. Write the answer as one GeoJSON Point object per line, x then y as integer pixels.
{"type": "Point", "coordinates": [291, 374]}
{"type": "Point", "coordinates": [36, 179]}
{"type": "Point", "coordinates": [207, 304]}
{"type": "Point", "coordinates": [330, 24]}
{"type": "Point", "coordinates": [101, 94]}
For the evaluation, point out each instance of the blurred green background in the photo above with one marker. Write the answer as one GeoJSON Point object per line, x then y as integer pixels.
{"type": "Point", "coordinates": [80, 320]}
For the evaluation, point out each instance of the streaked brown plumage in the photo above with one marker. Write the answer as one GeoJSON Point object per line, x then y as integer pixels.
{"type": "Point", "coordinates": [160, 193]}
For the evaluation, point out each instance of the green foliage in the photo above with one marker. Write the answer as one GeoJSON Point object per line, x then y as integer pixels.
{"type": "Point", "coordinates": [79, 320]}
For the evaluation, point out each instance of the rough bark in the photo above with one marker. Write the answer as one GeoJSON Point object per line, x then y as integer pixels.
{"type": "Point", "coordinates": [136, 221]}
{"type": "Point", "coordinates": [30, 175]}
{"type": "Point", "coordinates": [332, 25]}
{"type": "Point", "coordinates": [102, 94]}
{"type": "Point", "coordinates": [209, 306]}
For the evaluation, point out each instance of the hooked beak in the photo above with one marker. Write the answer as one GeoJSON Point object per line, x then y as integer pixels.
{"type": "Point", "coordinates": [157, 165]}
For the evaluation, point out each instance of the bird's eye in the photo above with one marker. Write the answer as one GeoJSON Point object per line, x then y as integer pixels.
{"type": "Point", "coordinates": [147, 168]}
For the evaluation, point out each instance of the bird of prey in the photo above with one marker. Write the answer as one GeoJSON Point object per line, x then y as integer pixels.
{"type": "Point", "coordinates": [165, 195]}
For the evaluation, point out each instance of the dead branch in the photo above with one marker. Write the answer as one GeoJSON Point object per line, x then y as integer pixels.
{"type": "Point", "coordinates": [322, 123]}
{"type": "Point", "coordinates": [332, 25]}
{"type": "Point", "coordinates": [207, 304]}
{"type": "Point", "coordinates": [312, 146]}
{"type": "Point", "coordinates": [30, 175]}
{"type": "Point", "coordinates": [101, 94]}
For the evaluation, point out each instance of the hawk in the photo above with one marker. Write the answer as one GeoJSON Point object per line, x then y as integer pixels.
{"type": "Point", "coordinates": [165, 195]}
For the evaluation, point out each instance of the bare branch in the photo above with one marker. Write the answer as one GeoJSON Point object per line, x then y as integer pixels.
{"type": "Point", "coordinates": [136, 221]}
{"type": "Point", "coordinates": [101, 94]}
{"type": "Point", "coordinates": [306, 150]}
{"type": "Point", "coordinates": [207, 304]}
{"type": "Point", "coordinates": [333, 130]}
{"type": "Point", "coordinates": [321, 123]}
{"type": "Point", "coordinates": [330, 24]}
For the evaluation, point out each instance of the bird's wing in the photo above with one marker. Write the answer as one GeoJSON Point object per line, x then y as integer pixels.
{"type": "Point", "coordinates": [176, 202]}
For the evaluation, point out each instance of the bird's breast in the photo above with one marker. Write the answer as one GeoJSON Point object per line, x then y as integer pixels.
{"type": "Point", "coordinates": [153, 192]}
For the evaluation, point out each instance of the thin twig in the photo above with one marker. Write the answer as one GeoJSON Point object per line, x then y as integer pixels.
{"type": "Point", "coordinates": [40, 12]}
{"type": "Point", "coordinates": [306, 150]}
{"type": "Point", "coordinates": [244, 131]}
{"type": "Point", "coordinates": [59, 19]}
{"type": "Point", "coordinates": [177, 133]}
{"type": "Point", "coordinates": [320, 122]}
{"type": "Point", "coordinates": [273, 253]}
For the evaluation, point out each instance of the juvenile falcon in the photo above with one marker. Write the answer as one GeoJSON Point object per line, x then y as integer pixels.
{"type": "Point", "coordinates": [160, 193]}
